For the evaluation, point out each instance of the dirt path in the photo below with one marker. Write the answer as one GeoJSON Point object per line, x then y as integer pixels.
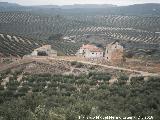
{"type": "Point", "coordinates": [47, 61]}
{"type": "Point", "coordinates": [145, 74]}
{"type": "Point", "coordinates": [15, 64]}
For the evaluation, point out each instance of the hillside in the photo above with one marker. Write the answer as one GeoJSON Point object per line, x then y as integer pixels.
{"type": "Point", "coordinates": [70, 87]}
{"type": "Point", "coordinates": [20, 46]}
{"type": "Point", "coordinates": [5, 6]}
{"type": "Point", "coordinates": [17, 46]}
{"type": "Point", "coordinates": [104, 9]}
{"type": "Point", "coordinates": [49, 95]}
{"type": "Point", "coordinates": [139, 33]}
{"type": "Point", "coordinates": [41, 27]}
{"type": "Point", "coordinates": [136, 33]}
{"type": "Point", "coordinates": [141, 9]}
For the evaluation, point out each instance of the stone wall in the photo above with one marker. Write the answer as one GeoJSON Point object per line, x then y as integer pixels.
{"type": "Point", "coordinates": [116, 56]}
{"type": "Point", "coordinates": [114, 53]}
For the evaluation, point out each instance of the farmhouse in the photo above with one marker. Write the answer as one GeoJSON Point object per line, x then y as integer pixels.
{"type": "Point", "coordinates": [114, 52]}
{"type": "Point", "coordinates": [90, 51]}
{"type": "Point", "coordinates": [45, 50]}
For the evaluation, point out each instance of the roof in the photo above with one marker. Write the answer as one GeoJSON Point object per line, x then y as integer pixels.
{"type": "Point", "coordinates": [95, 50]}
{"type": "Point", "coordinates": [92, 48]}
{"type": "Point", "coordinates": [88, 46]}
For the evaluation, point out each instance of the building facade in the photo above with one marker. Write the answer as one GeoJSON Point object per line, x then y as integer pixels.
{"type": "Point", "coordinates": [90, 51]}
{"type": "Point", "coordinates": [45, 50]}
{"type": "Point", "coordinates": [114, 52]}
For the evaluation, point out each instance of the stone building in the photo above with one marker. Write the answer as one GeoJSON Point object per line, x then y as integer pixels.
{"type": "Point", "coordinates": [90, 51]}
{"type": "Point", "coordinates": [114, 52]}
{"type": "Point", "coordinates": [45, 50]}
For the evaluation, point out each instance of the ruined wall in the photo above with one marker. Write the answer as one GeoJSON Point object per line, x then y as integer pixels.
{"type": "Point", "coordinates": [116, 56]}
{"type": "Point", "coordinates": [114, 53]}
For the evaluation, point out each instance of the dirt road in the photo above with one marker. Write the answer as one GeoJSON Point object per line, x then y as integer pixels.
{"type": "Point", "coordinates": [48, 59]}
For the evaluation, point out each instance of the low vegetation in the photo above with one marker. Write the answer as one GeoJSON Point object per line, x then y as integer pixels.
{"type": "Point", "coordinates": [66, 97]}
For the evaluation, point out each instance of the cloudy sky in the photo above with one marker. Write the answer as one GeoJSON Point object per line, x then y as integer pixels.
{"type": "Point", "coordinates": [68, 2]}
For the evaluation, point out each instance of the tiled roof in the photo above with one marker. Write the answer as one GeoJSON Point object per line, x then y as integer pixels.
{"type": "Point", "coordinates": [88, 46]}
{"type": "Point", "coordinates": [95, 50]}
{"type": "Point", "coordinates": [92, 48]}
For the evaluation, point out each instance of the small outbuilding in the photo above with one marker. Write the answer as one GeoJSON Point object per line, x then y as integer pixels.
{"type": "Point", "coordinates": [45, 50]}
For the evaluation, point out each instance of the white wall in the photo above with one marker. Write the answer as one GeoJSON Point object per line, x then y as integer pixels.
{"type": "Point", "coordinates": [34, 53]}
{"type": "Point", "coordinates": [93, 54]}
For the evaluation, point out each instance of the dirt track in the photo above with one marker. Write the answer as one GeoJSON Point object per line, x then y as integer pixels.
{"type": "Point", "coordinates": [47, 60]}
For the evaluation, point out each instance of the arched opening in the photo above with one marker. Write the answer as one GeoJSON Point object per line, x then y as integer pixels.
{"type": "Point", "coordinates": [42, 53]}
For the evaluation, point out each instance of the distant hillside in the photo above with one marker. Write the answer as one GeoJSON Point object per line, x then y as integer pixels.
{"type": "Point", "coordinates": [41, 22]}
{"type": "Point", "coordinates": [139, 9]}
{"type": "Point", "coordinates": [20, 46]}
{"type": "Point", "coordinates": [17, 46]}
{"type": "Point", "coordinates": [5, 6]}
{"type": "Point", "coordinates": [88, 9]}
{"type": "Point", "coordinates": [117, 26]}
{"type": "Point", "coordinates": [87, 6]}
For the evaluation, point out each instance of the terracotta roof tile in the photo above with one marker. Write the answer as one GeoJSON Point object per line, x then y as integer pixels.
{"type": "Point", "coordinates": [92, 48]}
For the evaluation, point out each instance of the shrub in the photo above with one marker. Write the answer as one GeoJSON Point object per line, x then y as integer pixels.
{"type": "Point", "coordinates": [17, 72]}
{"type": "Point", "coordinates": [73, 63]}
{"type": "Point", "coordinates": [77, 64]}
{"type": "Point", "coordinates": [137, 80]}
{"type": "Point", "coordinates": [1, 87]}
{"type": "Point", "coordinates": [100, 76]}
{"type": "Point", "coordinates": [129, 54]}
{"type": "Point", "coordinates": [70, 115]}
{"type": "Point", "coordinates": [24, 89]}
{"type": "Point", "coordinates": [13, 87]}
{"type": "Point", "coordinates": [103, 86]}
{"type": "Point", "coordinates": [81, 81]}
{"type": "Point", "coordinates": [122, 79]}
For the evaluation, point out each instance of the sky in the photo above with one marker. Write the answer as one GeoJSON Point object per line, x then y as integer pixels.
{"type": "Point", "coordinates": [70, 2]}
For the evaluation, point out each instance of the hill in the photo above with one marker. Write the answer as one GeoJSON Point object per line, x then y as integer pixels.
{"type": "Point", "coordinates": [29, 96]}
{"type": "Point", "coordinates": [19, 46]}
{"type": "Point", "coordinates": [138, 31]}
{"type": "Point", "coordinates": [7, 5]}
{"type": "Point", "coordinates": [42, 26]}
{"type": "Point", "coordinates": [85, 24]}
{"type": "Point", "coordinates": [16, 45]}
{"type": "Point", "coordinates": [94, 9]}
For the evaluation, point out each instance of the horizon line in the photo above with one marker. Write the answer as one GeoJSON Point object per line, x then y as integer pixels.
{"type": "Point", "coordinates": [79, 4]}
